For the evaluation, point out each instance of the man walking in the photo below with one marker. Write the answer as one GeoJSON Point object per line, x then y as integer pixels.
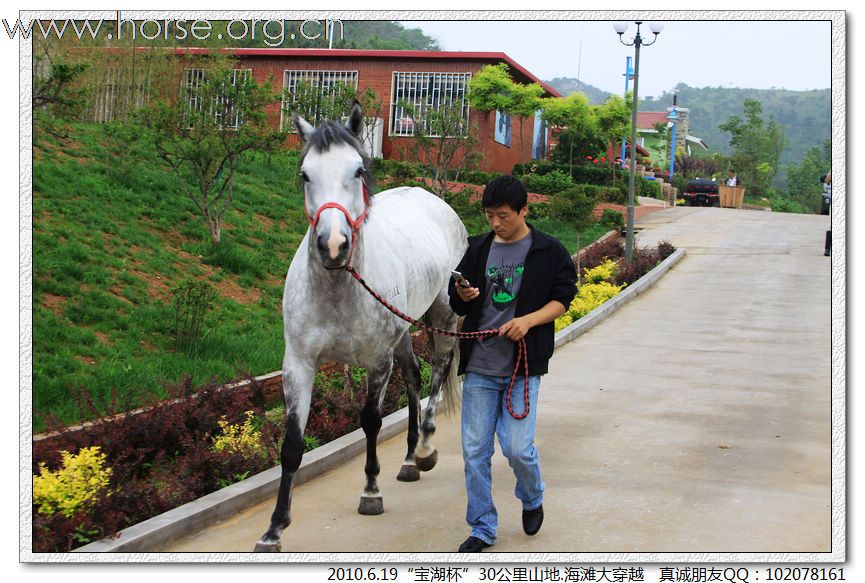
{"type": "Point", "coordinates": [520, 280]}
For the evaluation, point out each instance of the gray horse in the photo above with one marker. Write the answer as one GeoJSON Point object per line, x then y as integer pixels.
{"type": "Point", "coordinates": [404, 242]}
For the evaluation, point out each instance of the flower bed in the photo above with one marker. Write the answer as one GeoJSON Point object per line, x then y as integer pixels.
{"type": "Point", "coordinates": [603, 273]}
{"type": "Point", "coordinates": [92, 482]}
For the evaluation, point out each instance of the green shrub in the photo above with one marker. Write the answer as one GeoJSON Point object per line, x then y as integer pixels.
{"type": "Point", "coordinates": [617, 193]}
{"type": "Point", "coordinates": [648, 188]}
{"type": "Point", "coordinates": [475, 176]}
{"type": "Point", "coordinates": [382, 168]}
{"type": "Point", "coordinates": [575, 205]}
{"type": "Point", "coordinates": [552, 183]}
{"type": "Point", "coordinates": [612, 219]}
{"type": "Point", "coordinates": [580, 173]}
{"type": "Point", "coordinates": [192, 301]}
{"type": "Point", "coordinates": [461, 201]}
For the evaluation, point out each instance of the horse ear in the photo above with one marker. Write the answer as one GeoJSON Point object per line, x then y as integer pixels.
{"type": "Point", "coordinates": [355, 119]}
{"type": "Point", "coordinates": [304, 128]}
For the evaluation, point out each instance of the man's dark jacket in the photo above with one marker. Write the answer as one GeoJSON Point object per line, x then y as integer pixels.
{"type": "Point", "coordinates": [548, 275]}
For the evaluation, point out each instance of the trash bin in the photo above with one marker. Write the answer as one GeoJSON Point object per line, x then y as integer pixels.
{"type": "Point", "coordinates": [731, 196]}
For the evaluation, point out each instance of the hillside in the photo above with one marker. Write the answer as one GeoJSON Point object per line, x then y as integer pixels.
{"type": "Point", "coordinates": [568, 85]}
{"type": "Point", "coordinates": [805, 116]}
{"type": "Point", "coordinates": [113, 235]}
{"type": "Point", "coordinates": [113, 239]}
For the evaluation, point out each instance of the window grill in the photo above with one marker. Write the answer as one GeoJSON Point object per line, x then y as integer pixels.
{"type": "Point", "coordinates": [222, 106]}
{"type": "Point", "coordinates": [119, 91]}
{"type": "Point", "coordinates": [423, 92]}
{"type": "Point", "coordinates": [313, 94]}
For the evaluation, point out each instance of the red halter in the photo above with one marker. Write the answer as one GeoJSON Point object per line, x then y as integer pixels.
{"type": "Point", "coordinates": [355, 224]}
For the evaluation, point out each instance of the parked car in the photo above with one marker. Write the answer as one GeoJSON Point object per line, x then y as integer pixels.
{"type": "Point", "coordinates": [702, 192]}
{"type": "Point", "coordinates": [827, 196]}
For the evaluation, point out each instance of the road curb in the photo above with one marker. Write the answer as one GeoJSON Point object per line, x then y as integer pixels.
{"type": "Point", "coordinates": [609, 307]}
{"type": "Point", "coordinates": [160, 531]}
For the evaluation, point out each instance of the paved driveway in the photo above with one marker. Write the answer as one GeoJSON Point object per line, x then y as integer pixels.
{"type": "Point", "coordinates": [696, 419]}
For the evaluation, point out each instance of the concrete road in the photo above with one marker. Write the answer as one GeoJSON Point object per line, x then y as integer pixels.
{"type": "Point", "coordinates": [695, 420]}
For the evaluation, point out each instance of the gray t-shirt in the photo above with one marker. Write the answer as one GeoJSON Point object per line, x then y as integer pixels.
{"type": "Point", "coordinates": [504, 273]}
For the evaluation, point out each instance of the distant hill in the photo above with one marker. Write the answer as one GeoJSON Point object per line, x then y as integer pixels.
{"type": "Point", "coordinates": [805, 116]}
{"type": "Point", "coordinates": [568, 85]}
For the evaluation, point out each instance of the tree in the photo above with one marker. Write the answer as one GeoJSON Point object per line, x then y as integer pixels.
{"type": "Point", "coordinates": [492, 89]}
{"type": "Point", "coordinates": [315, 105]}
{"type": "Point", "coordinates": [525, 101]}
{"type": "Point", "coordinates": [203, 134]}
{"type": "Point", "coordinates": [757, 147]}
{"type": "Point", "coordinates": [578, 127]}
{"type": "Point", "coordinates": [56, 95]}
{"type": "Point", "coordinates": [372, 105]}
{"type": "Point", "coordinates": [443, 140]}
{"type": "Point", "coordinates": [803, 180]}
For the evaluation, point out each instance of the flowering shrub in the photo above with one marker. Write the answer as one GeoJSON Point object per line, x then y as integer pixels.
{"type": "Point", "coordinates": [600, 273]}
{"type": "Point", "coordinates": [564, 321]}
{"type": "Point", "coordinates": [237, 438]}
{"type": "Point", "coordinates": [594, 291]}
{"type": "Point", "coordinates": [592, 295]}
{"type": "Point", "coordinates": [72, 487]}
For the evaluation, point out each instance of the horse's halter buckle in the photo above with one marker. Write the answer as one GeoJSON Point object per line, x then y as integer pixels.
{"type": "Point", "coordinates": [355, 224]}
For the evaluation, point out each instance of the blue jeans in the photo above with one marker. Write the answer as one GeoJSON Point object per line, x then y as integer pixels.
{"type": "Point", "coordinates": [484, 415]}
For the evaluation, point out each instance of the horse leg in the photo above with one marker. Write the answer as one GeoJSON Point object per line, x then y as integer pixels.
{"type": "Point", "coordinates": [370, 420]}
{"type": "Point", "coordinates": [443, 374]}
{"type": "Point", "coordinates": [297, 389]}
{"type": "Point", "coordinates": [410, 367]}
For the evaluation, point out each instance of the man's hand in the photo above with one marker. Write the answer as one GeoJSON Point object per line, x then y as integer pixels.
{"type": "Point", "coordinates": [467, 294]}
{"type": "Point", "coordinates": [517, 328]}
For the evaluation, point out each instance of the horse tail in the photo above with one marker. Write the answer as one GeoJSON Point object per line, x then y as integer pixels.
{"type": "Point", "coordinates": [451, 391]}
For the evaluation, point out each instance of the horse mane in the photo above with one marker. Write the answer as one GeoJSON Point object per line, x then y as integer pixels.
{"type": "Point", "coordinates": [334, 133]}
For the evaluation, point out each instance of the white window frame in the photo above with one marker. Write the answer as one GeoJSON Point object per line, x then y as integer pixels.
{"type": "Point", "coordinates": [425, 89]}
{"type": "Point", "coordinates": [107, 105]}
{"type": "Point", "coordinates": [325, 79]}
{"type": "Point", "coordinates": [193, 78]}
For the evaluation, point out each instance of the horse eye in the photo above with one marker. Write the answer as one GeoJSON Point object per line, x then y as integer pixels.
{"type": "Point", "coordinates": [304, 176]}
{"type": "Point", "coordinates": [359, 173]}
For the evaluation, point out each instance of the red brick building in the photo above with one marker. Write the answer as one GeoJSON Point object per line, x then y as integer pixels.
{"type": "Point", "coordinates": [420, 77]}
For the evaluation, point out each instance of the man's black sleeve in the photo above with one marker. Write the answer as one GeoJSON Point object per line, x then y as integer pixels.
{"type": "Point", "coordinates": [565, 280]}
{"type": "Point", "coordinates": [460, 307]}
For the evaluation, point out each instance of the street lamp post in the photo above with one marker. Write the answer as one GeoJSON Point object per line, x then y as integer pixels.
{"type": "Point", "coordinates": [629, 74]}
{"type": "Point", "coordinates": [637, 42]}
{"type": "Point", "coordinates": [674, 119]}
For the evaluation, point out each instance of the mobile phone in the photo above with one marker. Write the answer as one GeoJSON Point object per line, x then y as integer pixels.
{"type": "Point", "coordinates": [463, 282]}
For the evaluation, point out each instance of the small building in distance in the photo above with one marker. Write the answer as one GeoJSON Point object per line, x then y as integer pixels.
{"type": "Point", "coordinates": [425, 79]}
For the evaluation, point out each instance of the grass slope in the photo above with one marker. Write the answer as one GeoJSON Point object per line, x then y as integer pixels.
{"type": "Point", "coordinates": [113, 234]}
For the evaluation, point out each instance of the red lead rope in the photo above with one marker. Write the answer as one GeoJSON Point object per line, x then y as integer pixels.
{"type": "Point", "coordinates": [522, 354]}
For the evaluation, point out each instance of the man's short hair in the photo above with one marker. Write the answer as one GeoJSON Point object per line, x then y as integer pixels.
{"type": "Point", "coordinates": [505, 190]}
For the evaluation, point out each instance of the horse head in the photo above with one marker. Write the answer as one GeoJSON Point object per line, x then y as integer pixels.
{"type": "Point", "coordinates": [336, 180]}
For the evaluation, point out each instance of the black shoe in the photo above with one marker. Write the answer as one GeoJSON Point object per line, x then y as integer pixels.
{"type": "Point", "coordinates": [473, 545]}
{"type": "Point", "coordinates": [533, 519]}
{"type": "Point", "coordinates": [826, 253]}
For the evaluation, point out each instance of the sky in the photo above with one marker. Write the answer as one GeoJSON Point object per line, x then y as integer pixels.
{"type": "Point", "coordinates": [753, 54]}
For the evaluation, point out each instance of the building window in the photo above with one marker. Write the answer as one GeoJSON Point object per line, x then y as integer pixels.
{"type": "Point", "coordinates": [118, 93]}
{"type": "Point", "coordinates": [222, 105]}
{"type": "Point", "coordinates": [422, 92]}
{"type": "Point", "coordinates": [503, 134]}
{"type": "Point", "coordinates": [539, 137]}
{"type": "Point", "coordinates": [317, 95]}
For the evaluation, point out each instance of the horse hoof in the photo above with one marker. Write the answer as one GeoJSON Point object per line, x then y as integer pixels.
{"type": "Point", "coordinates": [425, 464]}
{"type": "Point", "coordinates": [263, 547]}
{"type": "Point", "coordinates": [408, 473]}
{"type": "Point", "coordinates": [370, 505]}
